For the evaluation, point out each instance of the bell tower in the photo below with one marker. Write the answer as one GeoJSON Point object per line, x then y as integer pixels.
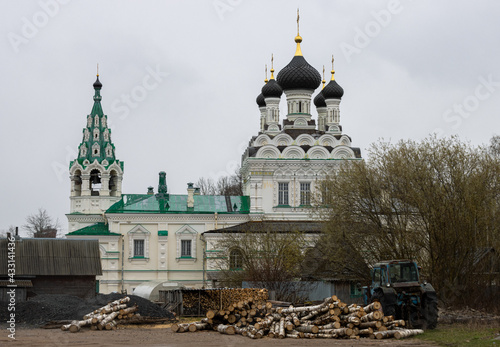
{"type": "Point", "coordinates": [96, 175]}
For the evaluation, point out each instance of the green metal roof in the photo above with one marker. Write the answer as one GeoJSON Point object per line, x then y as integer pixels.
{"type": "Point", "coordinates": [94, 229]}
{"type": "Point", "coordinates": [144, 203]}
{"type": "Point", "coordinates": [97, 135]}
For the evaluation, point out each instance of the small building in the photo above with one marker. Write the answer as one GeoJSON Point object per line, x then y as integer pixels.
{"type": "Point", "coordinates": [51, 266]}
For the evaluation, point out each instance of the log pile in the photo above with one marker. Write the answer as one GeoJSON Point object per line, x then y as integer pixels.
{"type": "Point", "coordinates": [217, 299]}
{"type": "Point", "coordinates": [104, 318]}
{"type": "Point", "coordinates": [332, 318]}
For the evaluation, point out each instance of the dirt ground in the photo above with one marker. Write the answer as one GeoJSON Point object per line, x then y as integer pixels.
{"type": "Point", "coordinates": [162, 335]}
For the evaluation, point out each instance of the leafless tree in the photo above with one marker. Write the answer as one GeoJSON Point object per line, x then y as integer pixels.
{"type": "Point", "coordinates": [41, 225]}
{"type": "Point", "coordinates": [227, 185]}
{"type": "Point", "coordinates": [266, 259]}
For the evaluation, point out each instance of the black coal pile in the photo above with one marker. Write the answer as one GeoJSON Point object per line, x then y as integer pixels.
{"type": "Point", "coordinates": [42, 309]}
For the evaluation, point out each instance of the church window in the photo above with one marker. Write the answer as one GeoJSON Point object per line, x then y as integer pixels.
{"type": "Point", "coordinates": [96, 122]}
{"type": "Point", "coordinates": [83, 151]}
{"type": "Point", "coordinates": [96, 134]}
{"type": "Point", "coordinates": [138, 248]}
{"type": "Point", "coordinates": [95, 150]}
{"type": "Point", "coordinates": [138, 239]}
{"type": "Point", "coordinates": [305, 193]}
{"type": "Point", "coordinates": [106, 135]}
{"type": "Point", "coordinates": [235, 260]}
{"type": "Point", "coordinates": [95, 182]}
{"type": "Point", "coordinates": [283, 193]}
{"type": "Point", "coordinates": [86, 134]}
{"type": "Point", "coordinates": [113, 183]}
{"type": "Point", "coordinates": [185, 248]}
{"type": "Point", "coordinates": [300, 107]}
{"type": "Point", "coordinates": [89, 121]}
{"type": "Point", "coordinates": [186, 243]}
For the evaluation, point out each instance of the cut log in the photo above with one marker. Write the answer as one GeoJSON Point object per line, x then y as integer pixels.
{"type": "Point", "coordinates": [372, 316]}
{"type": "Point", "coordinates": [226, 329]}
{"type": "Point", "coordinates": [401, 334]}
{"type": "Point", "coordinates": [308, 329]}
{"type": "Point", "coordinates": [197, 326]}
{"type": "Point", "coordinates": [374, 306]}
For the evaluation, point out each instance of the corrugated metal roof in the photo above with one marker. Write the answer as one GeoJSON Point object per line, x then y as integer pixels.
{"type": "Point", "coordinates": [52, 257]}
{"type": "Point", "coordinates": [311, 227]}
{"type": "Point", "coordinates": [144, 203]}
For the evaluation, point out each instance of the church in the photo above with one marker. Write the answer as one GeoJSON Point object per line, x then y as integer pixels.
{"type": "Point", "coordinates": [165, 237]}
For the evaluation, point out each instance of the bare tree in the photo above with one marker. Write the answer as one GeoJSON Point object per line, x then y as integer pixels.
{"type": "Point", "coordinates": [435, 201]}
{"type": "Point", "coordinates": [41, 225]}
{"type": "Point", "coordinates": [227, 185]}
{"type": "Point", "coordinates": [266, 259]}
{"type": "Point", "coordinates": [495, 145]}
{"type": "Point", "coordinates": [11, 230]}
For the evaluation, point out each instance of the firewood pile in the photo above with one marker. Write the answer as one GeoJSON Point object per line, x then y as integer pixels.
{"type": "Point", "coordinates": [213, 299]}
{"type": "Point", "coordinates": [106, 317]}
{"type": "Point", "coordinates": [331, 319]}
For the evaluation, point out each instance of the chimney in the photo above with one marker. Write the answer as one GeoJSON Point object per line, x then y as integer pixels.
{"type": "Point", "coordinates": [190, 200]}
{"type": "Point", "coordinates": [150, 190]}
{"type": "Point", "coordinates": [197, 191]}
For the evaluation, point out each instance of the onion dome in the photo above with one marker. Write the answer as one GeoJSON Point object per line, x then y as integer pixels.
{"type": "Point", "coordinates": [319, 100]}
{"type": "Point", "coordinates": [298, 74]}
{"type": "Point", "coordinates": [272, 89]}
{"type": "Point", "coordinates": [97, 83]}
{"type": "Point", "coordinates": [261, 101]}
{"type": "Point", "coordinates": [332, 89]}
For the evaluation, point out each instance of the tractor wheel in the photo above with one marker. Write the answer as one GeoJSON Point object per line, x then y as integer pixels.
{"type": "Point", "coordinates": [430, 312]}
{"type": "Point", "coordinates": [389, 310]}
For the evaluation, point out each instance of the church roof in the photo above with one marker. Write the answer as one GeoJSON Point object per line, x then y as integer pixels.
{"type": "Point", "coordinates": [96, 143]}
{"type": "Point", "coordinates": [171, 203]}
{"type": "Point", "coordinates": [100, 229]}
{"type": "Point", "coordinates": [306, 226]}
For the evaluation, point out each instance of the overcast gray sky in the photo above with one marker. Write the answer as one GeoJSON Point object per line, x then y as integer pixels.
{"type": "Point", "coordinates": [408, 68]}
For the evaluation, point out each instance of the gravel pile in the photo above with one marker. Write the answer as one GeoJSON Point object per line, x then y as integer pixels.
{"type": "Point", "coordinates": [44, 308]}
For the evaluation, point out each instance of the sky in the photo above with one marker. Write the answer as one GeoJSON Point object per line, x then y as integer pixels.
{"type": "Point", "coordinates": [180, 80]}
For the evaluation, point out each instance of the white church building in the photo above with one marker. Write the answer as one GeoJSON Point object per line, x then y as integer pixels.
{"type": "Point", "coordinates": [168, 237]}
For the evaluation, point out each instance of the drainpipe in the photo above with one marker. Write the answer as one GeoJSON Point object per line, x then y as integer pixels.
{"type": "Point", "coordinates": [202, 238]}
{"type": "Point", "coordinates": [123, 256]}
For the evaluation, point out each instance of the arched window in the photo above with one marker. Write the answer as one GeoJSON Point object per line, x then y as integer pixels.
{"type": "Point", "coordinates": [95, 182]}
{"type": "Point", "coordinates": [235, 259]}
{"type": "Point", "coordinates": [113, 183]}
{"type": "Point", "coordinates": [77, 179]}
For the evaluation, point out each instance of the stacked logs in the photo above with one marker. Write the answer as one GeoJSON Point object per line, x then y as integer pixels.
{"type": "Point", "coordinates": [219, 298]}
{"type": "Point", "coordinates": [104, 318]}
{"type": "Point", "coordinates": [330, 319]}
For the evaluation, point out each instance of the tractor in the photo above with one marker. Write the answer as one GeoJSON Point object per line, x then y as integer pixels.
{"type": "Point", "coordinates": [396, 285]}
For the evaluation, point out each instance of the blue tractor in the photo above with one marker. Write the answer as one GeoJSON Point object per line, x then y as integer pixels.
{"type": "Point", "coordinates": [396, 285]}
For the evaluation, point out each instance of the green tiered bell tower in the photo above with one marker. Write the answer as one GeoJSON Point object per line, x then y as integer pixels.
{"type": "Point", "coordinates": [96, 175]}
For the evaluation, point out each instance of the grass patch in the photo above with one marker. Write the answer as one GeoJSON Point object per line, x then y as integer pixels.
{"type": "Point", "coordinates": [463, 335]}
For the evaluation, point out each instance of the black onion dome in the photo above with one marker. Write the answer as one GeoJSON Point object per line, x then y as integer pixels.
{"type": "Point", "coordinates": [319, 100]}
{"type": "Point", "coordinates": [298, 74]}
{"type": "Point", "coordinates": [272, 89]}
{"type": "Point", "coordinates": [261, 101]}
{"type": "Point", "coordinates": [333, 90]}
{"type": "Point", "coordinates": [97, 83]}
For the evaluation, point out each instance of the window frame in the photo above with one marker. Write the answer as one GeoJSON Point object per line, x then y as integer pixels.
{"type": "Point", "coordinates": [185, 243]}
{"type": "Point", "coordinates": [305, 194]}
{"type": "Point", "coordinates": [142, 243]}
{"type": "Point", "coordinates": [283, 194]}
